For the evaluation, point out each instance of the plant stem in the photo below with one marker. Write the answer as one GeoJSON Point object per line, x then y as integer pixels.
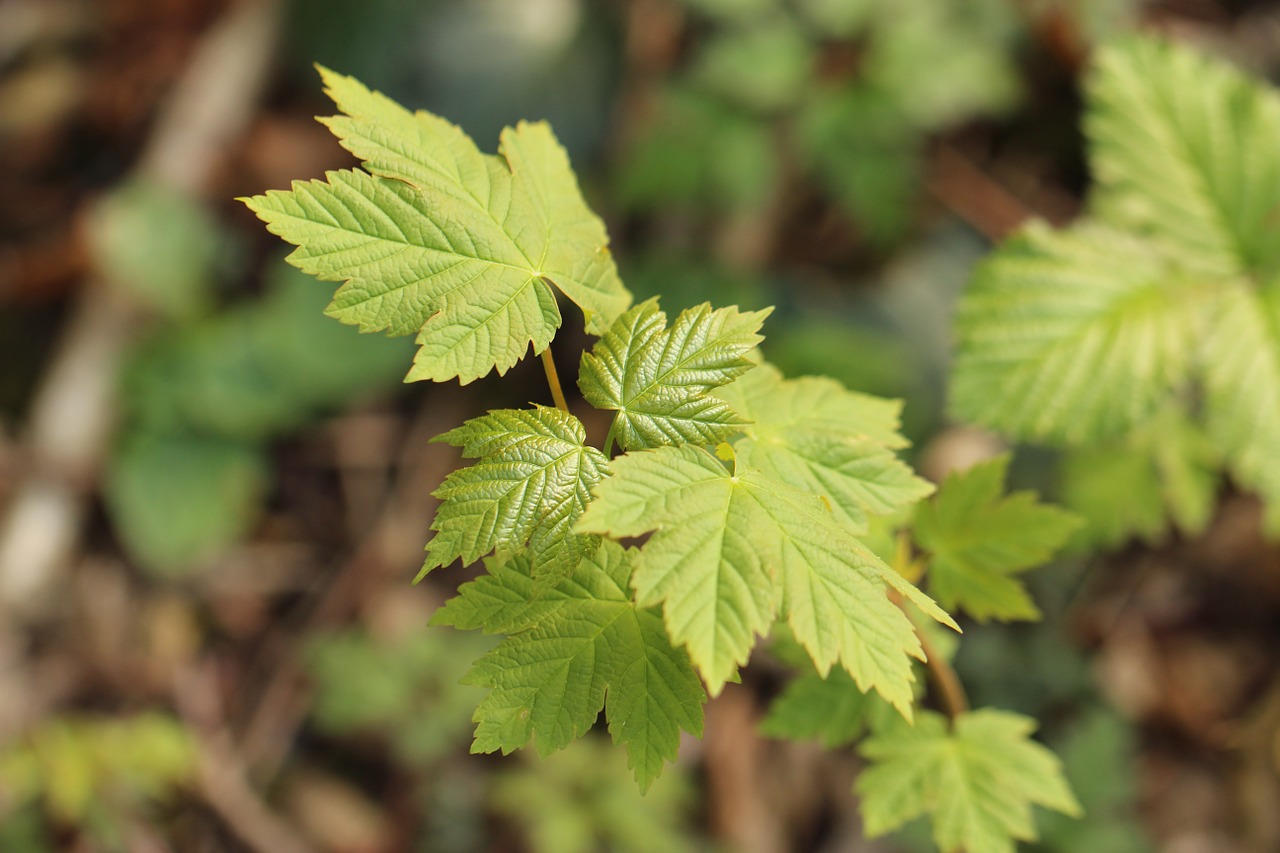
{"type": "Point", "coordinates": [950, 691]}
{"type": "Point", "coordinates": [610, 438]}
{"type": "Point", "coordinates": [553, 379]}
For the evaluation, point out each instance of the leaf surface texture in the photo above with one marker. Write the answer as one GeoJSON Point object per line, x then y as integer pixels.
{"type": "Point", "coordinates": [465, 249]}
{"type": "Point", "coordinates": [577, 648]}
{"type": "Point", "coordinates": [730, 551]}
{"type": "Point", "coordinates": [530, 485]}
{"type": "Point", "coordinates": [657, 379]}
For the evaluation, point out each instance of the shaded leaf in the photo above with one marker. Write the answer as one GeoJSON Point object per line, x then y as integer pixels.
{"type": "Point", "coordinates": [977, 781]}
{"type": "Point", "coordinates": [590, 647]}
{"type": "Point", "coordinates": [978, 540]}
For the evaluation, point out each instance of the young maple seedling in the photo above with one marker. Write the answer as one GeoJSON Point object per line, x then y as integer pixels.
{"type": "Point", "coordinates": [757, 493]}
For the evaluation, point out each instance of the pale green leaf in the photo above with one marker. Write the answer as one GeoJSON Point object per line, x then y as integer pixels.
{"type": "Point", "coordinates": [816, 435]}
{"type": "Point", "coordinates": [585, 646]}
{"type": "Point", "coordinates": [731, 550]}
{"type": "Point", "coordinates": [1123, 489]}
{"type": "Point", "coordinates": [1242, 377]}
{"type": "Point", "coordinates": [1186, 148]}
{"type": "Point", "coordinates": [532, 482]}
{"type": "Point", "coordinates": [978, 541]}
{"type": "Point", "coordinates": [977, 780]}
{"type": "Point", "coordinates": [657, 379]}
{"type": "Point", "coordinates": [461, 247]}
{"type": "Point", "coordinates": [1074, 335]}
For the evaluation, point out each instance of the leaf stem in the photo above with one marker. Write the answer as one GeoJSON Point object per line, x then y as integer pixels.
{"type": "Point", "coordinates": [611, 438]}
{"type": "Point", "coordinates": [950, 691]}
{"type": "Point", "coordinates": [553, 379]}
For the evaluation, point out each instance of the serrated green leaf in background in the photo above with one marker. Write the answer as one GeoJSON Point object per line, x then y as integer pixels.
{"type": "Point", "coordinates": [729, 550]}
{"type": "Point", "coordinates": [1074, 335]}
{"type": "Point", "coordinates": [1097, 755]}
{"type": "Point", "coordinates": [1183, 148]}
{"type": "Point", "coordinates": [461, 247]}
{"type": "Point", "coordinates": [814, 434]}
{"type": "Point", "coordinates": [530, 485]}
{"type": "Point", "coordinates": [657, 378]}
{"type": "Point", "coordinates": [978, 540]}
{"type": "Point", "coordinates": [587, 647]}
{"type": "Point", "coordinates": [976, 780]}
{"type": "Point", "coordinates": [1167, 470]}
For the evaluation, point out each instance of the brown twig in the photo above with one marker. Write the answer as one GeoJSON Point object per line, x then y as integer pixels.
{"type": "Point", "coordinates": [951, 695]}
{"type": "Point", "coordinates": [393, 542]}
{"type": "Point", "coordinates": [220, 771]}
{"type": "Point", "coordinates": [976, 197]}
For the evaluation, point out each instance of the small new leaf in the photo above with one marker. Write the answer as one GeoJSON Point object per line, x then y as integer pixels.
{"type": "Point", "coordinates": [531, 484]}
{"type": "Point", "coordinates": [461, 247]}
{"type": "Point", "coordinates": [816, 435]}
{"type": "Point", "coordinates": [976, 781]}
{"type": "Point", "coordinates": [979, 541]}
{"type": "Point", "coordinates": [578, 647]}
{"type": "Point", "coordinates": [728, 551]}
{"type": "Point", "coordinates": [657, 379]}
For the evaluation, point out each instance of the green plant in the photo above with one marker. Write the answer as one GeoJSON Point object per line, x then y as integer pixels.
{"type": "Point", "coordinates": [754, 502]}
{"type": "Point", "coordinates": [206, 390]}
{"type": "Point", "coordinates": [96, 774]}
{"type": "Point", "coordinates": [1143, 337]}
{"type": "Point", "coordinates": [834, 93]}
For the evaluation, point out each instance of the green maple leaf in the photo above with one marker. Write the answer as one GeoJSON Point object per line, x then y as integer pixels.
{"type": "Point", "coordinates": [573, 650]}
{"type": "Point", "coordinates": [1184, 148]}
{"type": "Point", "coordinates": [438, 239]}
{"type": "Point", "coordinates": [977, 780]}
{"type": "Point", "coordinates": [979, 541]}
{"type": "Point", "coordinates": [531, 484]}
{"type": "Point", "coordinates": [1074, 335]}
{"type": "Point", "coordinates": [818, 436]}
{"type": "Point", "coordinates": [729, 551]}
{"type": "Point", "coordinates": [657, 379]}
